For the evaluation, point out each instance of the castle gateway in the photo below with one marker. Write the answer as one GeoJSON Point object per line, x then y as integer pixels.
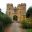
{"type": "Point", "coordinates": [16, 13]}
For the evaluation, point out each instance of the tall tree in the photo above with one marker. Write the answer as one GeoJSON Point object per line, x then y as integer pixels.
{"type": "Point", "coordinates": [29, 12]}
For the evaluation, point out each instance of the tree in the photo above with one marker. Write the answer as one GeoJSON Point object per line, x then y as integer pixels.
{"type": "Point", "coordinates": [29, 12]}
{"type": "Point", "coordinates": [4, 21]}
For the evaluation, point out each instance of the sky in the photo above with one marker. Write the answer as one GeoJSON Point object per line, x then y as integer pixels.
{"type": "Point", "coordinates": [3, 3]}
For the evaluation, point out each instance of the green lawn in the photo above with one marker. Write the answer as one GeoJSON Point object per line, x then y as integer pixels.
{"type": "Point", "coordinates": [28, 30]}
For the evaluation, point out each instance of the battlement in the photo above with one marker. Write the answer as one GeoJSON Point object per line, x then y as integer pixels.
{"type": "Point", "coordinates": [9, 4]}
{"type": "Point", "coordinates": [22, 4]}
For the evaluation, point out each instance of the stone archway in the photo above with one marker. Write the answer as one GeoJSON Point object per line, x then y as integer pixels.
{"type": "Point", "coordinates": [15, 18]}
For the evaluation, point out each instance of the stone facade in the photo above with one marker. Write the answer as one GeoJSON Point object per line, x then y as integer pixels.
{"type": "Point", "coordinates": [19, 11]}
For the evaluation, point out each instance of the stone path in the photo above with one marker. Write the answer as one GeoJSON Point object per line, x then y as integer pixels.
{"type": "Point", "coordinates": [16, 27]}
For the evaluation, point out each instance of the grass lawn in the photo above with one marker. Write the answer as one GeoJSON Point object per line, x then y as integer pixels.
{"type": "Point", "coordinates": [28, 30]}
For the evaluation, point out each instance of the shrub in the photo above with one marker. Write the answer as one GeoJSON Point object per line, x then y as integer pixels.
{"type": "Point", "coordinates": [7, 21]}
{"type": "Point", "coordinates": [27, 23]}
{"type": "Point", "coordinates": [4, 21]}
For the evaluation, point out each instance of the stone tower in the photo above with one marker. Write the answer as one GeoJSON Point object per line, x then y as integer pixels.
{"type": "Point", "coordinates": [19, 11]}
{"type": "Point", "coordinates": [10, 10]}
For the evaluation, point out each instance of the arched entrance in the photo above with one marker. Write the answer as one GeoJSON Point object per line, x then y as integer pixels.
{"type": "Point", "coordinates": [15, 17]}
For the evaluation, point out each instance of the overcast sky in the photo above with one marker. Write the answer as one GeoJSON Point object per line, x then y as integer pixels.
{"type": "Point", "coordinates": [15, 2]}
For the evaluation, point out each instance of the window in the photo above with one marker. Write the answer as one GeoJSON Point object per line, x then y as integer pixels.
{"type": "Point", "coordinates": [9, 13]}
